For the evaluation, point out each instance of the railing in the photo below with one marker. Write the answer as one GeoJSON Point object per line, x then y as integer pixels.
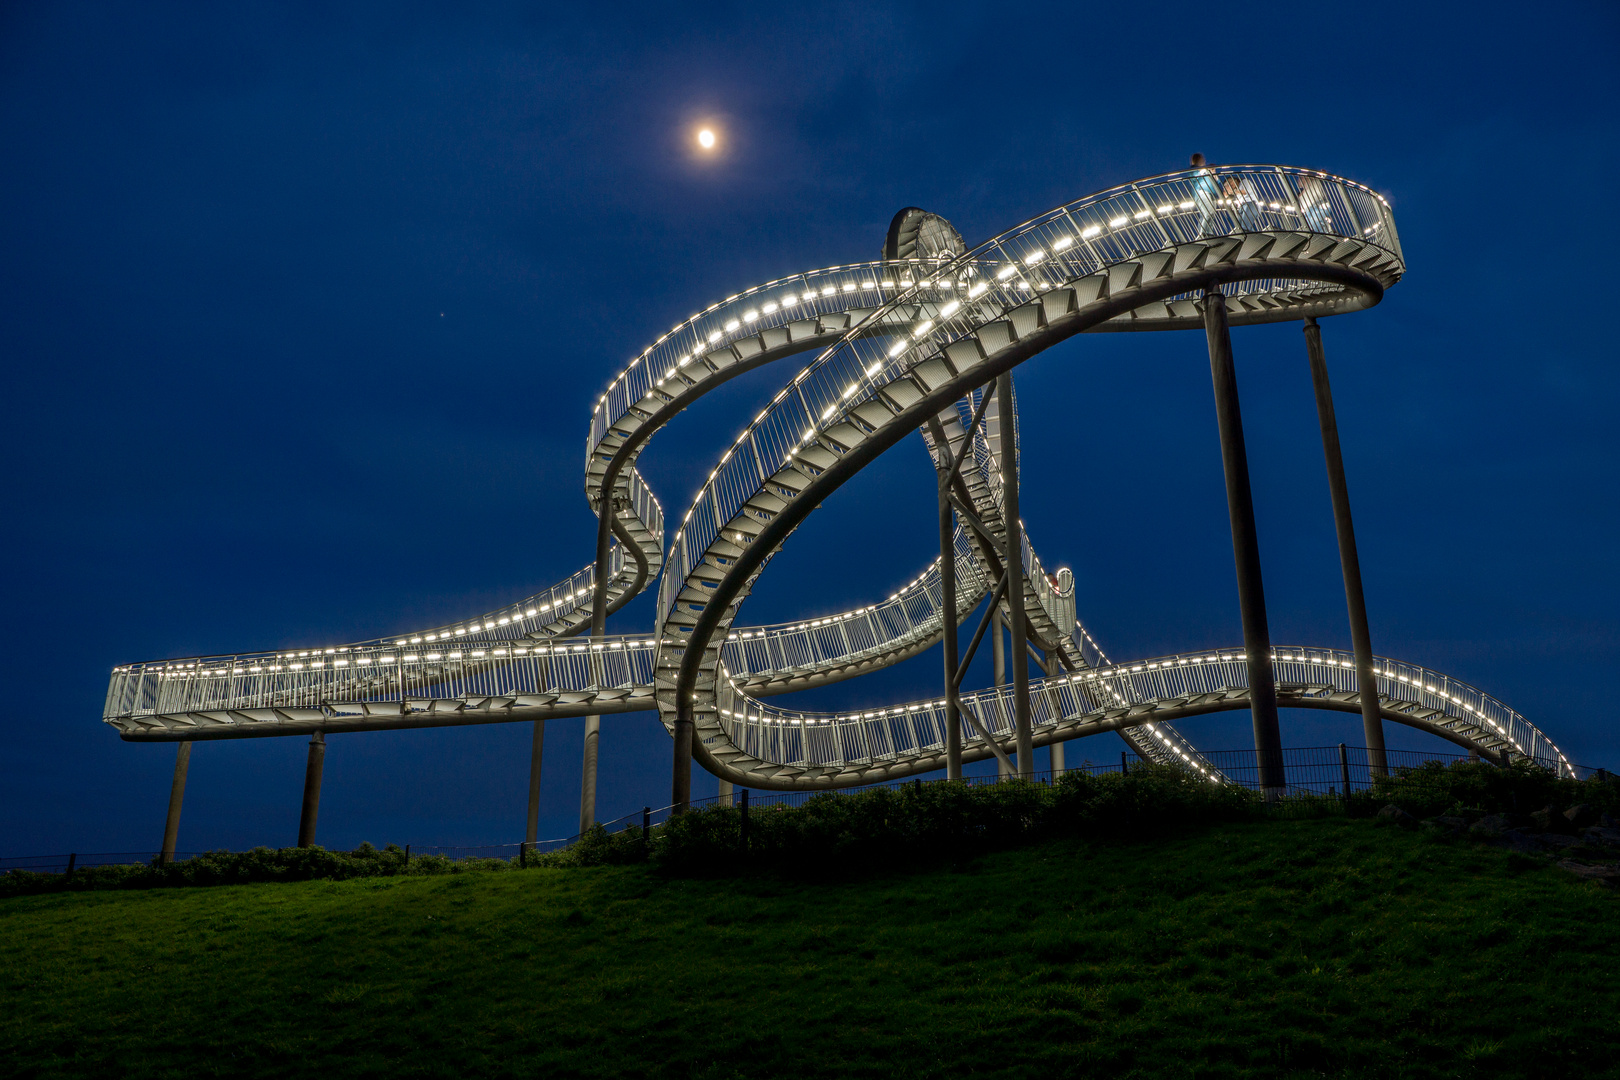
{"type": "Point", "coordinates": [910, 615]}
{"type": "Point", "coordinates": [333, 679]}
{"type": "Point", "coordinates": [892, 733]}
{"type": "Point", "coordinates": [830, 291]}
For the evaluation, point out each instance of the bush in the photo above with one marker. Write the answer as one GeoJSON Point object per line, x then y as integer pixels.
{"type": "Point", "coordinates": [924, 822]}
{"type": "Point", "coordinates": [260, 864]}
{"type": "Point", "coordinates": [1474, 788]}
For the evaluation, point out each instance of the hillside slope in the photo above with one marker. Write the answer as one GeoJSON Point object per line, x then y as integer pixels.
{"type": "Point", "coordinates": [1309, 948]}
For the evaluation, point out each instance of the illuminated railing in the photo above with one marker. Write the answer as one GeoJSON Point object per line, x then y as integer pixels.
{"type": "Point", "coordinates": [375, 675]}
{"type": "Point", "coordinates": [1133, 692]}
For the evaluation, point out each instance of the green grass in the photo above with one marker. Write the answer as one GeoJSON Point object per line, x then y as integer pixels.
{"type": "Point", "coordinates": [1297, 948]}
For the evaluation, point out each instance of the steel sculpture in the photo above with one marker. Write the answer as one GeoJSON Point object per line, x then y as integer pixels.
{"type": "Point", "coordinates": [924, 338]}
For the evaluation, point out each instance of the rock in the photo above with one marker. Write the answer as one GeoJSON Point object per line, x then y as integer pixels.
{"type": "Point", "coordinates": [1607, 821]}
{"type": "Point", "coordinates": [1602, 873]}
{"type": "Point", "coordinates": [1394, 815]}
{"type": "Point", "coordinates": [1580, 816]}
{"type": "Point", "coordinates": [1447, 823]}
{"type": "Point", "coordinates": [1555, 841]}
{"type": "Point", "coordinates": [1490, 825]}
{"type": "Point", "coordinates": [1548, 819]}
{"type": "Point", "coordinates": [1599, 834]}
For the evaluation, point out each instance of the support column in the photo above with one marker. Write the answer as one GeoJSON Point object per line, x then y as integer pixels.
{"type": "Point", "coordinates": [1013, 556]}
{"type": "Point", "coordinates": [177, 795]}
{"type": "Point", "coordinates": [948, 617]}
{"type": "Point", "coordinates": [998, 653]}
{"type": "Point", "coordinates": [680, 785]}
{"type": "Point", "coordinates": [1052, 667]}
{"type": "Point", "coordinates": [587, 775]}
{"type": "Point", "coordinates": [537, 753]}
{"type": "Point", "coordinates": [1372, 723]}
{"type": "Point", "coordinates": [726, 793]}
{"type": "Point", "coordinates": [1245, 548]}
{"type": "Point", "coordinates": [312, 790]}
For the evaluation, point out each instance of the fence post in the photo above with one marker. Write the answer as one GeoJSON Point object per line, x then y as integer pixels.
{"type": "Point", "coordinates": [1124, 766]}
{"type": "Point", "coordinates": [646, 825]}
{"type": "Point", "coordinates": [1344, 772]}
{"type": "Point", "coordinates": [743, 831]}
{"type": "Point", "coordinates": [407, 855]}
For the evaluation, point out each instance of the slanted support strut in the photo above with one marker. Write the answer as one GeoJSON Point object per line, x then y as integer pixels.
{"type": "Point", "coordinates": [312, 790]}
{"type": "Point", "coordinates": [177, 795]}
{"type": "Point", "coordinates": [1372, 722]}
{"type": "Point", "coordinates": [1245, 548]}
{"type": "Point", "coordinates": [1013, 560]}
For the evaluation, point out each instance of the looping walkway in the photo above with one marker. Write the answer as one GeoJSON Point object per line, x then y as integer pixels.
{"type": "Point", "coordinates": [901, 345]}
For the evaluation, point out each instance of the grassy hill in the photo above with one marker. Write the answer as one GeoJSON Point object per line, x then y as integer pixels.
{"type": "Point", "coordinates": [1293, 948]}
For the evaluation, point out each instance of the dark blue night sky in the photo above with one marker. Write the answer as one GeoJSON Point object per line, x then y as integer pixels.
{"type": "Point", "coordinates": [302, 311]}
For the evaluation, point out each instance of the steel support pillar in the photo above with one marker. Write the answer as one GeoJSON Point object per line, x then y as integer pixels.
{"type": "Point", "coordinates": [726, 793]}
{"type": "Point", "coordinates": [537, 753]}
{"type": "Point", "coordinates": [948, 616]}
{"type": "Point", "coordinates": [1245, 548]}
{"type": "Point", "coordinates": [1013, 556]}
{"type": "Point", "coordinates": [312, 790]}
{"type": "Point", "coordinates": [1360, 636]}
{"type": "Point", "coordinates": [177, 795]}
{"type": "Point", "coordinates": [587, 775]}
{"type": "Point", "coordinates": [1051, 666]}
{"type": "Point", "coordinates": [998, 653]}
{"type": "Point", "coordinates": [680, 785]}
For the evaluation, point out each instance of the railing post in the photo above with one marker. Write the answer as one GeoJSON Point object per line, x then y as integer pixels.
{"type": "Point", "coordinates": [1372, 721]}
{"type": "Point", "coordinates": [1013, 557]}
{"type": "Point", "coordinates": [177, 796]}
{"type": "Point", "coordinates": [1344, 772]}
{"type": "Point", "coordinates": [312, 790]}
{"type": "Point", "coordinates": [1124, 767]}
{"type": "Point", "coordinates": [1245, 548]}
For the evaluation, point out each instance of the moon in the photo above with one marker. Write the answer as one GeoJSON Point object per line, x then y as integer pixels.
{"type": "Point", "coordinates": [706, 139]}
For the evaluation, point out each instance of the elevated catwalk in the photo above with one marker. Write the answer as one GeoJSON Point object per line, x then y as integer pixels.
{"type": "Point", "coordinates": [918, 340]}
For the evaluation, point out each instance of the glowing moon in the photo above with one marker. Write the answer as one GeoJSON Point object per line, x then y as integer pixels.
{"type": "Point", "coordinates": [706, 139]}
